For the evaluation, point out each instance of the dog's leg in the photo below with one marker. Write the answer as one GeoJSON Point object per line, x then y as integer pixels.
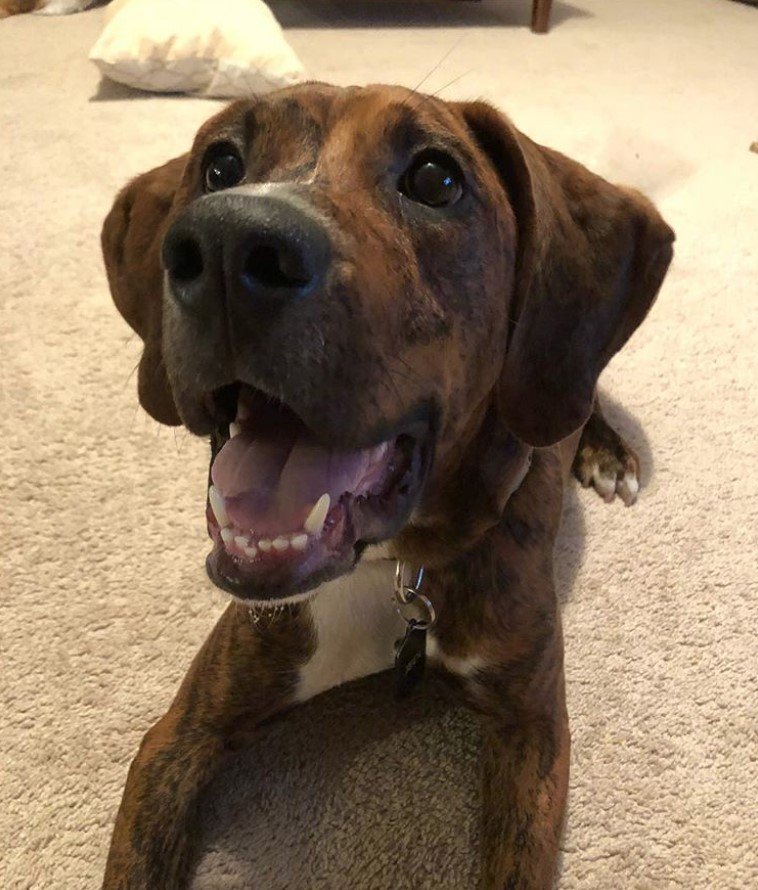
{"type": "Point", "coordinates": [525, 783]}
{"type": "Point", "coordinates": [605, 462]}
{"type": "Point", "coordinates": [499, 633]}
{"type": "Point", "coordinates": [243, 674]}
{"type": "Point", "coordinates": [250, 668]}
{"type": "Point", "coordinates": [525, 765]}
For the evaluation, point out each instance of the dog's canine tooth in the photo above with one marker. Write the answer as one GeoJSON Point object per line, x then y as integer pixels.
{"type": "Point", "coordinates": [299, 542]}
{"type": "Point", "coordinates": [264, 545]}
{"type": "Point", "coordinates": [280, 543]}
{"type": "Point", "coordinates": [315, 521]}
{"type": "Point", "coordinates": [234, 430]}
{"type": "Point", "coordinates": [227, 535]}
{"type": "Point", "coordinates": [242, 541]}
{"type": "Point", "coordinates": [218, 506]}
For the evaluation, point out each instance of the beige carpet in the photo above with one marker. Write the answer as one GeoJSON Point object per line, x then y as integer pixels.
{"type": "Point", "coordinates": [104, 598]}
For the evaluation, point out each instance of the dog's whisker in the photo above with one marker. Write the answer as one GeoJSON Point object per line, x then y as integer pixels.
{"type": "Point", "coordinates": [427, 96]}
{"type": "Point", "coordinates": [131, 374]}
{"type": "Point", "coordinates": [436, 67]}
{"type": "Point", "coordinates": [412, 373]}
{"type": "Point", "coordinates": [389, 380]}
{"type": "Point", "coordinates": [181, 435]}
{"type": "Point", "coordinates": [407, 377]}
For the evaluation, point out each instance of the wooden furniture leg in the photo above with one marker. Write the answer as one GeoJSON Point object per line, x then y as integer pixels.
{"type": "Point", "coordinates": [541, 16]}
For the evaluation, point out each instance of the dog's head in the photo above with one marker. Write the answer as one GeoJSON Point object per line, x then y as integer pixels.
{"type": "Point", "coordinates": [362, 296]}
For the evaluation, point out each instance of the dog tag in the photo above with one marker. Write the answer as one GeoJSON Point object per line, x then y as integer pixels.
{"type": "Point", "coordinates": [410, 658]}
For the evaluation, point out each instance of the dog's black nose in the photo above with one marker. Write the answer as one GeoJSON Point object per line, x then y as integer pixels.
{"type": "Point", "coordinates": [263, 250]}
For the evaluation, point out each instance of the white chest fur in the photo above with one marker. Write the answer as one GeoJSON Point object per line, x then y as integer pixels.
{"type": "Point", "coordinates": [356, 627]}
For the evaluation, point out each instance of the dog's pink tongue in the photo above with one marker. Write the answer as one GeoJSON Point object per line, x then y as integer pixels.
{"type": "Point", "coordinates": [270, 484]}
{"type": "Point", "coordinates": [246, 464]}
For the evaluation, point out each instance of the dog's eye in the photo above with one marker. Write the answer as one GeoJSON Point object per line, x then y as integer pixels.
{"type": "Point", "coordinates": [433, 179]}
{"type": "Point", "coordinates": [224, 169]}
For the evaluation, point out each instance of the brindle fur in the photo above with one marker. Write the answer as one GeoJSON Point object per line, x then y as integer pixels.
{"type": "Point", "coordinates": [560, 268]}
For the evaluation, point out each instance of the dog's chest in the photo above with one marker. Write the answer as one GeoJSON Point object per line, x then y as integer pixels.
{"type": "Point", "coordinates": [356, 626]}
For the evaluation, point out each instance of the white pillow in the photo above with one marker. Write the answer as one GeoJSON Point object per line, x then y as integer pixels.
{"type": "Point", "coordinates": [212, 47]}
{"type": "Point", "coordinates": [63, 7]}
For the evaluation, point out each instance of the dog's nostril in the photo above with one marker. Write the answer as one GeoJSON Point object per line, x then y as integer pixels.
{"type": "Point", "coordinates": [184, 260]}
{"type": "Point", "coordinates": [271, 267]}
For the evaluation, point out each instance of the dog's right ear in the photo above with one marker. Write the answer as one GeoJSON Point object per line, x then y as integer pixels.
{"type": "Point", "coordinates": [131, 240]}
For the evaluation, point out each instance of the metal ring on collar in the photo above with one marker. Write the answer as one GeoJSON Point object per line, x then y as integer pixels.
{"type": "Point", "coordinates": [404, 592]}
{"type": "Point", "coordinates": [419, 598]}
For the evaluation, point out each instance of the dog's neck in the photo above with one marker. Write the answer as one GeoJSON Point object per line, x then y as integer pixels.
{"type": "Point", "coordinates": [473, 504]}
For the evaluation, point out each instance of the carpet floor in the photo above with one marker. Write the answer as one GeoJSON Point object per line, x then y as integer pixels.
{"type": "Point", "coordinates": [104, 597]}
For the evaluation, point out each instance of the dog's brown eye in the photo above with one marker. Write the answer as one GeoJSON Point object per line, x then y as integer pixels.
{"type": "Point", "coordinates": [434, 180]}
{"type": "Point", "coordinates": [224, 169]}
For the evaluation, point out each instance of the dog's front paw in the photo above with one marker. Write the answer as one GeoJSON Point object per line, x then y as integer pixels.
{"type": "Point", "coordinates": [606, 463]}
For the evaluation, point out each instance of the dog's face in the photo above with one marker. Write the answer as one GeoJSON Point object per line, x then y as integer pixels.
{"type": "Point", "coordinates": [356, 293]}
{"type": "Point", "coordinates": [317, 300]}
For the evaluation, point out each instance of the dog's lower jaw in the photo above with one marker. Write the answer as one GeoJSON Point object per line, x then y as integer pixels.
{"type": "Point", "coordinates": [256, 608]}
{"type": "Point", "coordinates": [372, 553]}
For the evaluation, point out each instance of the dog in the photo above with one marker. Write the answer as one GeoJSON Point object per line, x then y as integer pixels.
{"type": "Point", "coordinates": [388, 313]}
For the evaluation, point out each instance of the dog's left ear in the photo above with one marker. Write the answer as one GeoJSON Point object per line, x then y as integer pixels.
{"type": "Point", "coordinates": [591, 258]}
{"type": "Point", "coordinates": [131, 240]}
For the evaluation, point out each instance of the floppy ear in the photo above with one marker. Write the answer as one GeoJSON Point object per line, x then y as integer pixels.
{"type": "Point", "coordinates": [131, 240]}
{"type": "Point", "coordinates": [591, 258]}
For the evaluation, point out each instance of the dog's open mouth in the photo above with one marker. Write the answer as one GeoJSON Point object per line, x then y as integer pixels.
{"type": "Point", "coordinates": [285, 512]}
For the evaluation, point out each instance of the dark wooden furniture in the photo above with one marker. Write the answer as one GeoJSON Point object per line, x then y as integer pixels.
{"type": "Point", "coordinates": [541, 16]}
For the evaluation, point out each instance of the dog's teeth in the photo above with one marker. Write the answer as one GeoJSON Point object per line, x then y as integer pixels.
{"type": "Point", "coordinates": [227, 535]}
{"type": "Point", "coordinates": [300, 542]}
{"type": "Point", "coordinates": [242, 541]}
{"type": "Point", "coordinates": [218, 506]}
{"type": "Point", "coordinates": [234, 430]}
{"type": "Point", "coordinates": [315, 521]}
{"type": "Point", "coordinates": [251, 552]}
{"type": "Point", "coordinates": [264, 545]}
{"type": "Point", "coordinates": [280, 543]}
{"type": "Point", "coordinates": [242, 412]}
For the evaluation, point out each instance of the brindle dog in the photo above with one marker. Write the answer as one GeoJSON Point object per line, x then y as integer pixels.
{"type": "Point", "coordinates": [388, 313]}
